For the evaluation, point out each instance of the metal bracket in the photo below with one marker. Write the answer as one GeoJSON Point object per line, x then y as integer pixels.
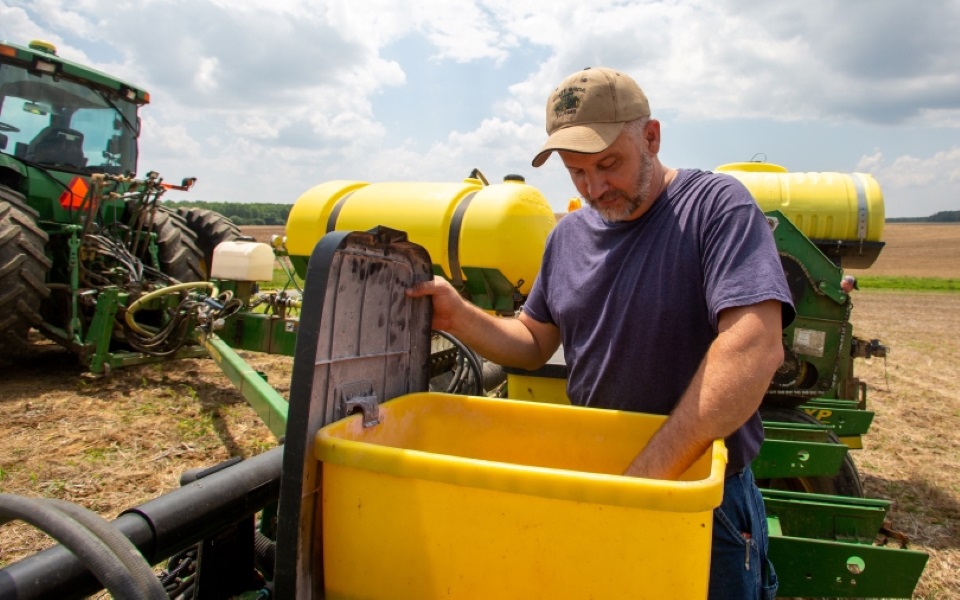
{"type": "Point", "coordinates": [359, 394]}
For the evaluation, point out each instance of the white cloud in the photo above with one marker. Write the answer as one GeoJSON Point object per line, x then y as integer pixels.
{"type": "Point", "coordinates": [941, 117]}
{"type": "Point", "coordinates": [205, 77]}
{"type": "Point", "coordinates": [910, 171]}
{"type": "Point", "coordinates": [290, 89]}
{"type": "Point", "coordinates": [917, 186]}
{"type": "Point", "coordinates": [169, 141]}
{"type": "Point", "coordinates": [253, 126]}
{"type": "Point", "coordinates": [461, 31]}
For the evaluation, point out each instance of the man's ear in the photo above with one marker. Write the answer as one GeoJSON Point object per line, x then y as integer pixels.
{"type": "Point", "coordinates": [651, 134]}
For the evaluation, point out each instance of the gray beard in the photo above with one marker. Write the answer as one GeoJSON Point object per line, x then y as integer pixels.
{"type": "Point", "coordinates": [628, 204]}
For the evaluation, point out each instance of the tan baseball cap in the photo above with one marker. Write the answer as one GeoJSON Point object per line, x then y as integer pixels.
{"type": "Point", "coordinates": [588, 109]}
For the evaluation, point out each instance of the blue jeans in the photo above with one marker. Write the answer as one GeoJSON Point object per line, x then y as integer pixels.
{"type": "Point", "coordinates": [739, 569]}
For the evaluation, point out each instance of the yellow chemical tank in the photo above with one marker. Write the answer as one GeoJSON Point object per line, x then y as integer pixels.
{"type": "Point", "coordinates": [471, 230]}
{"type": "Point", "coordinates": [840, 212]}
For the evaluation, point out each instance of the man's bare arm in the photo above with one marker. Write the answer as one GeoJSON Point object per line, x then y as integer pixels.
{"type": "Point", "coordinates": [724, 393]}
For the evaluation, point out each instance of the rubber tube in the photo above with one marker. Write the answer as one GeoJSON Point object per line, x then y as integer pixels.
{"type": "Point", "coordinates": [96, 555]}
{"type": "Point", "coordinates": [148, 583]}
{"type": "Point", "coordinates": [162, 292]}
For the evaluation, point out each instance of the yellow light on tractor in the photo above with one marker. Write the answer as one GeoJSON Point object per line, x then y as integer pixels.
{"type": "Point", "coordinates": [8, 51]}
{"type": "Point", "coordinates": [43, 46]}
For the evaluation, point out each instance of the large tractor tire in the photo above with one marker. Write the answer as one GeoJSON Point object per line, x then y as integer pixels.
{"type": "Point", "coordinates": [211, 228]}
{"type": "Point", "coordinates": [23, 271]}
{"type": "Point", "coordinates": [845, 483]}
{"type": "Point", "coordinates": [180, 256]}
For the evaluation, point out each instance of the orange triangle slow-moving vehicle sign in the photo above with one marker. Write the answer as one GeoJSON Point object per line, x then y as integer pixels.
{"type": "Point", "coordinates": [72, 197]}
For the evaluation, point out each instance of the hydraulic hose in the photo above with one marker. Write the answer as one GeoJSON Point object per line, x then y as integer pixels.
{"type": "Point", "coordinates": [266, 553]}
{"type": "Point", "coordinates": [146, 580]}
{"type": "Point", "coordinates": [468, 356]}
{"type": "Point", "coordinates": [179, 287]}
{"type": "Point", "coordinates": [94, 552]}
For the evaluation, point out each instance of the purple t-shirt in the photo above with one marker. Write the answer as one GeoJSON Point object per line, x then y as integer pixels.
{"type": "Point", "coordinates": [637, 302]}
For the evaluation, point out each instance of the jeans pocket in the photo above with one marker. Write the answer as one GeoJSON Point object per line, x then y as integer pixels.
{"type": "Point", "coordinates": [770, 581]}
{"type": "Point", "coordinates": [735, 570]}
{"type": "Point", "coordinates": [739, 566]}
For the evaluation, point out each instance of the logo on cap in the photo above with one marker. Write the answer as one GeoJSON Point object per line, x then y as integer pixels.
{"type": "Point", "coordinates": [567, 101]}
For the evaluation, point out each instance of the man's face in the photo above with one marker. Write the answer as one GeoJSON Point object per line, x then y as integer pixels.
{"type": "Point", "coordinates": [615, 182]}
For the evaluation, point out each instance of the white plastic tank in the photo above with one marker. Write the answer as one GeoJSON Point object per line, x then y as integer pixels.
{"type": "Point", "coordinates": [242, 261]}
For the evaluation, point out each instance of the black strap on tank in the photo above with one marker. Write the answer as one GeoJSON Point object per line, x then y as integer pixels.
{"type": "Point", "coordinates": [335, 213]}
{"type": "Point", "coordinates": [453, 242]}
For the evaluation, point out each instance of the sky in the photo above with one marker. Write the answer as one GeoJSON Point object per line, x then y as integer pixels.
{"type": "Point", "coordinates": [262, 100]}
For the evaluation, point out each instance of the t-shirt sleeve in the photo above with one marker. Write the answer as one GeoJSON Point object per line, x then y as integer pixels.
{"type": "Point", "coordinates": [535, 306]}
{"type": "Point", "coordinates": [741, 264]}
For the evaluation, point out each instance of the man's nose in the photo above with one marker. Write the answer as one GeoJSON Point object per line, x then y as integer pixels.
{"type": "Point", "coordinates": [596, 184]}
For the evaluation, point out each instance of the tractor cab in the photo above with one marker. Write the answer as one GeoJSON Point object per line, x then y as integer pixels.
{"type": "Point", "coordinates": [63, 119]}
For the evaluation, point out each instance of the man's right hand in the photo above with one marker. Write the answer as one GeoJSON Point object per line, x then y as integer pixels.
{"type": "Point", "coordinates": [512, 342]}
{"type": "Point", "coordinates": [447, 302]}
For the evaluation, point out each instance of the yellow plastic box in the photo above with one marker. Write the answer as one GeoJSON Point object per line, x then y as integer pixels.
{"type": "Point", "coordinates": [465, 497]}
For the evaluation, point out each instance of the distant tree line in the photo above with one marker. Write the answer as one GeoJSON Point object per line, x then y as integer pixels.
{"type": "Point", "coordinates": [255, 213]}
{"type": "Point", "coordinates": [944, 216]}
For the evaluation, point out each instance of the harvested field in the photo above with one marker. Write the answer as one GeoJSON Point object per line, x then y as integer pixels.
{"type": "Point", "coordinates": [111, 443]}
{"type": "Point", "coordinates": [918, 250]}
{"type": "Point", "coordinates": [912, 453]}
{"type": "Point", "coordinates": [263, 233]}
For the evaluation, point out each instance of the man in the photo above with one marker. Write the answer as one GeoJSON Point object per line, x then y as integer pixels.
{"type": "Point", "coordinates": [848, 284]}
{"type": "Point", "coordinates": [667, 294]}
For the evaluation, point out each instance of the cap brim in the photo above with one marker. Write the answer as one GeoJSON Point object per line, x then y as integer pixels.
{"type": "Point", "coordinates": [587, 139]}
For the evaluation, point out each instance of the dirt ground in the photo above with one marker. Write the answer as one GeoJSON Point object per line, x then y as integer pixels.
{"type": "Point", "coordinates": [912, 453]}
{"type": "Point", "coordinates": [918, 250]}
{"type": "Point", "coordinates": [110, 443]}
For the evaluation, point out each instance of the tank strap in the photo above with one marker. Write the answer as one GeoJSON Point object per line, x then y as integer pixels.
{"type": "Point", "coordinates": [861, 206]}
{"type": "Point", "coordinates": [335, 213]}
{"type": "Point", "coordinates": [453, 242]}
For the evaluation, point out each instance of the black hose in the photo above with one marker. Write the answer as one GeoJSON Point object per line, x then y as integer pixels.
{"type": "Point", "coordinates": [472, 360]}
{"type": "Point", "coordinates": [265, 551]}
{"type": "Point", "coordinates": [108, 568]}
{"type": "Point", "coordinates": [170, 338]}
{"type": "Point", "coordinates": [146, 580]}
{"type": "Point", "coordinates": [177, 565]}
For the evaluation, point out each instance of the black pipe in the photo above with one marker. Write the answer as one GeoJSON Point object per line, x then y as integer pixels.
{"type": "Point", "coordinates": [101, 559]}
{"type": "Point", "coordinates": [159, 528]}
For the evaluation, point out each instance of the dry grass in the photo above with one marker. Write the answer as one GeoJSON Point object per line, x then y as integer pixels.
{"type": "Point", "coordinates": [111, 443]}
{"type": "Point", "coordinates": [918, 250]}
{"type": "Point", "coordinates": [115, 442]}
{"type": "Point", "coordinates": [912, 453]}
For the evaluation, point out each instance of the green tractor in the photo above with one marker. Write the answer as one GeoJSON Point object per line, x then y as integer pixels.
{"type": "Point", "coordinates": [73, 222]}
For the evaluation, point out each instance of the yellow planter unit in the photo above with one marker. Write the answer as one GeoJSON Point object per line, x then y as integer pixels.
{"type": "Point", "coordinates": [468, 497]}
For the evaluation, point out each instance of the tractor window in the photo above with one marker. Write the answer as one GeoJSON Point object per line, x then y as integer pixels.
{"type": "Point", "coordinates": [20, 123]}
{"type": "Point", "coordinates": [63, 125]}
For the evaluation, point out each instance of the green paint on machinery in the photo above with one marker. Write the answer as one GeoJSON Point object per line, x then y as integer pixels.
{"type": "Point", "coordinates": [90, 258]}
{"type": "Point", "coordinates": [81, 238]}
